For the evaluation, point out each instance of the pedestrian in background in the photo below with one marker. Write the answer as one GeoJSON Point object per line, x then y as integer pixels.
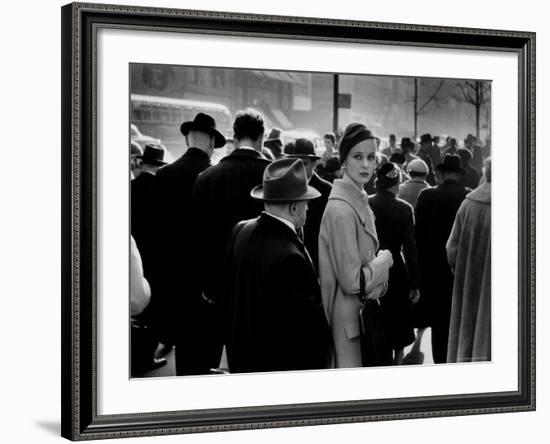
{"type": "Point", "coordinates": [469, 255]}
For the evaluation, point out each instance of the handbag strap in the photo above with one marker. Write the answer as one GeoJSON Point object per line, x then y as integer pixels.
{"type": "Point", "coordinates": [362, 292]}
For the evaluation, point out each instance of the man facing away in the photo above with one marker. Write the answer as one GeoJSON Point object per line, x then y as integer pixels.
{"type": "Point", "coordinates": [183, 308]}
{"type": "Point", "coordinates": [274, 316]}
{"type": "Point", "coordinates": [435, 213]}
{"type": "Point", "coordinates": [304, 150]}
{"type": "Point", "coordinates": [222, 198]}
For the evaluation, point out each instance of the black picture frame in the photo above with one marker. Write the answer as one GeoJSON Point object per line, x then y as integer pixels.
{"type": "Point", "coordinates": [79, 208]}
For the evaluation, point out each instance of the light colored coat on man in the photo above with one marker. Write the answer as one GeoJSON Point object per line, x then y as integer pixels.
{"type": "Point", "coordinates": [347, 245]}
{"type": "Point", "coordinates": [469, 254]}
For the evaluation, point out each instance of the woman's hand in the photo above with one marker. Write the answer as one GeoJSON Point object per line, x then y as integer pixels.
{"type": "Point", "coordinates": [414, 296]}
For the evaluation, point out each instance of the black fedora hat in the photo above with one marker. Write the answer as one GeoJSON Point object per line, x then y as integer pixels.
{"type": "Point", "coordinates": [153, 154]}
{"type": "Point", "coordinates": [205, 123]}
{"type": "Point", "coordinates": [285, 180]}
{"type": "Point", "coordinates": [301, 148]}
{"type": "Point", "coordinates": [426, 138]}
{"type": "Point", "coordinates": [450, 164]}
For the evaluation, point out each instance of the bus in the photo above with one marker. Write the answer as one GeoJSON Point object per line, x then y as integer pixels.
{"type": "Point", "coordinates": [161, 117]}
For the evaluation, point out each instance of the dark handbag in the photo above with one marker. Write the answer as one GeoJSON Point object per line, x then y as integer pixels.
{"type": "Point", "coordinates": [375, 346]}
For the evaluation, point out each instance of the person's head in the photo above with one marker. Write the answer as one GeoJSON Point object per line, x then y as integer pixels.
{"type": "Point", "coordinates": [153, 157]}
{"type": "Point", "coordinates": [392, 140]}
{"type": "Point", "coordinates": [285, 190]}
{"type": "Point", "coordinates": [329, 139]}
{"type": "Point", "coordinates": [135, 158]}
{"type": "Point", "coordinates": [487, 170]}
{"type": "Point", "coordinates": [303, 149]}
{"type": "Point", "coordinates": [387, 178]}
{"type": "Point", "coordinates": [398, 158]}
{"type": "Point", "coordinates": [358, 153]}
{"type": "Point", "coordinates": [418, 168]}
{"type": "Point", "coordinates": [332, 168]}
{"type": "Point", "coordinates": [426, 140]}
{"type": "Point", "coordinates": [450, 168]}
{"type": "Point", "coordinates": [453, 143]}
{"type": "Point", "coordinates": [248, 129]}
{"type": "Point", "coordinates": [465, 157]}
{"type": "Point", "coordinates": [407, 145]}
{"type": "Point", "coordinates": [274, 143]}
{"type": "Point", "coordinates": [201, 133]}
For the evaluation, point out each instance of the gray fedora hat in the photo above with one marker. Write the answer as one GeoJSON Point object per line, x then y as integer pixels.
{"type": "Point", "coordinates": [285, 180]}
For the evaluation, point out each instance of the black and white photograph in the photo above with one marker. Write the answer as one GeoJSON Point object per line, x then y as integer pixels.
{"type": "Point", "coordinates": [297, 221]}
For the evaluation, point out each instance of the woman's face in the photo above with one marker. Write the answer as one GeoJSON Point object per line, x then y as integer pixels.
{"type": "Point", "coordinates": [361, 161]}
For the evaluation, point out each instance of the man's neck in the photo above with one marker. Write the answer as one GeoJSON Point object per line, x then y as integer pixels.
{"type": "Point", "coordinates": [282, 218]}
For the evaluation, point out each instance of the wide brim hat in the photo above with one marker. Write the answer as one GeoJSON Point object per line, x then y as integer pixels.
{"type": "Point", "coordinates": [153, 154]}
{"type": "Point", "coordinates": [450, 164]}
{"type": "Point", "coordinates": [301, 148]}
{"type": "Point", "coordinates": [206, 124]}
{"type": "Point", "coordinates": [285, 180]}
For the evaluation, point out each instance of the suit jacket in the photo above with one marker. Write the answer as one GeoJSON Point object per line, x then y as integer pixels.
{"type": "Point", "coordinates": [222, 198]}
{"type": "Point", "coordinates": [275, 319]}
{"type": "Point", "coordinates": [178, 246]}
{"type": "Point", "coordinates": [316, 208]}
{"type": "Point", "coordinates": [435, 213]}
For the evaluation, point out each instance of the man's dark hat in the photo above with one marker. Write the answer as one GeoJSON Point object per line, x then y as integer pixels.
{"type": "Point", "coordinates": [406, 142]}
{"type": "Point", "coordinates": [426, 138]}
{"type": "Point", "coordinates": [285, 180]}
{"type": "Point", "coordinates": [153, 154]}
{"type": "Point", "coordinates": [451, 164]}
{"type": "Point", "coordinates": [274, 141]}
{"type": "Point", "coordinates": [398, 158]}
{"type": "Point", "coordinates": [274, 134]}
{"type": "Point", "coordinates": [206, 124]}
{"type": "Point", "coordinates": [301, 148]}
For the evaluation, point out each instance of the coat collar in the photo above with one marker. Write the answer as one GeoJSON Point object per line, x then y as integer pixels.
{"type": "Point", "coordinates": [343, 190]}
{"type": "Point", "coordinates": [481, 194]}
{"type": "Point", "coordinates": [245, 153]}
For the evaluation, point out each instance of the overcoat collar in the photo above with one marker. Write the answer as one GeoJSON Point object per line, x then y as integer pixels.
{"type": "Point", "coordinates": [342, 190]}
{"type": "Point", "coordinates": [245, 153]}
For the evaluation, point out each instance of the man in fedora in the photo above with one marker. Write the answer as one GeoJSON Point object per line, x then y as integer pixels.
{"type": "Point", "coordinates": [274, 143]}
{"type": "Point", "coordinates": [274, 316]}
{"type": "Point", "coordinates": [435, 213]}
{"type": "Point", "coordinates": [143, 198]}
{"type": "Point", "coordinates": [222, 198]}
{"type": "Point", "coordinates": [181, 320]}
{"type": "Point", "coordinates": [303, 149]}
{"type": "Point", "coordinates": [429, 154]}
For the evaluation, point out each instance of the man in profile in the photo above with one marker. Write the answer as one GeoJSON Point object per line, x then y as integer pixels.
{"type": "Point", "coordinates": [182, 307]}
{"type": "Point", "coordinates": [274, 316]}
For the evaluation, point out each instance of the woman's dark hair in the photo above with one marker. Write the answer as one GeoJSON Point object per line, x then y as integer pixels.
{"type": "Point", "coordinates": [249, 124]}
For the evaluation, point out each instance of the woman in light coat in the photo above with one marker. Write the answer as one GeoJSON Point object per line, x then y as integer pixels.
{"type": "Point", "coordinates": [348, 244]}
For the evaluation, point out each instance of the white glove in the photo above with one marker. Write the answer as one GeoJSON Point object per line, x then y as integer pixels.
{"type": "Point", "coordinates": [386, 256]}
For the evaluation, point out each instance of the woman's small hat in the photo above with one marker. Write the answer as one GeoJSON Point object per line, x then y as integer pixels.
{"type": "Point", "coordinates": [285, 180]}
{"type": "Point", "coordinates": [387, 175]}
{"type": "Point", "coordinates": [205, 123]}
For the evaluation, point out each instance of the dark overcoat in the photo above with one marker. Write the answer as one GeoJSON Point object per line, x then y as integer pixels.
{"type": "Point", "coordinates": [316, 208]}
{"type": "Point", "coordinates": [274, 316]}
{"type": "Point", "coordinates": [222, 198]}
{"type": "Point", "coordinates": [435, 213]}
{"type": "Point", "coordinates": [394, 222]}
{"type": "Point", "coordinates": [143, 220]}
{"type": "Point", "coordinates": [178, 247]}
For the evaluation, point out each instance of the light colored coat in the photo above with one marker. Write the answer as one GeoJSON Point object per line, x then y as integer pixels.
{"type": "Point", "coordinates": [347, 244]}
{"type": "Point", "coordinates": [469, 254]}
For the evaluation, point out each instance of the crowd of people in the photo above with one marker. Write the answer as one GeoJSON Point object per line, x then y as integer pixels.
{"type": "Point", "coordinates": [264, 255]}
